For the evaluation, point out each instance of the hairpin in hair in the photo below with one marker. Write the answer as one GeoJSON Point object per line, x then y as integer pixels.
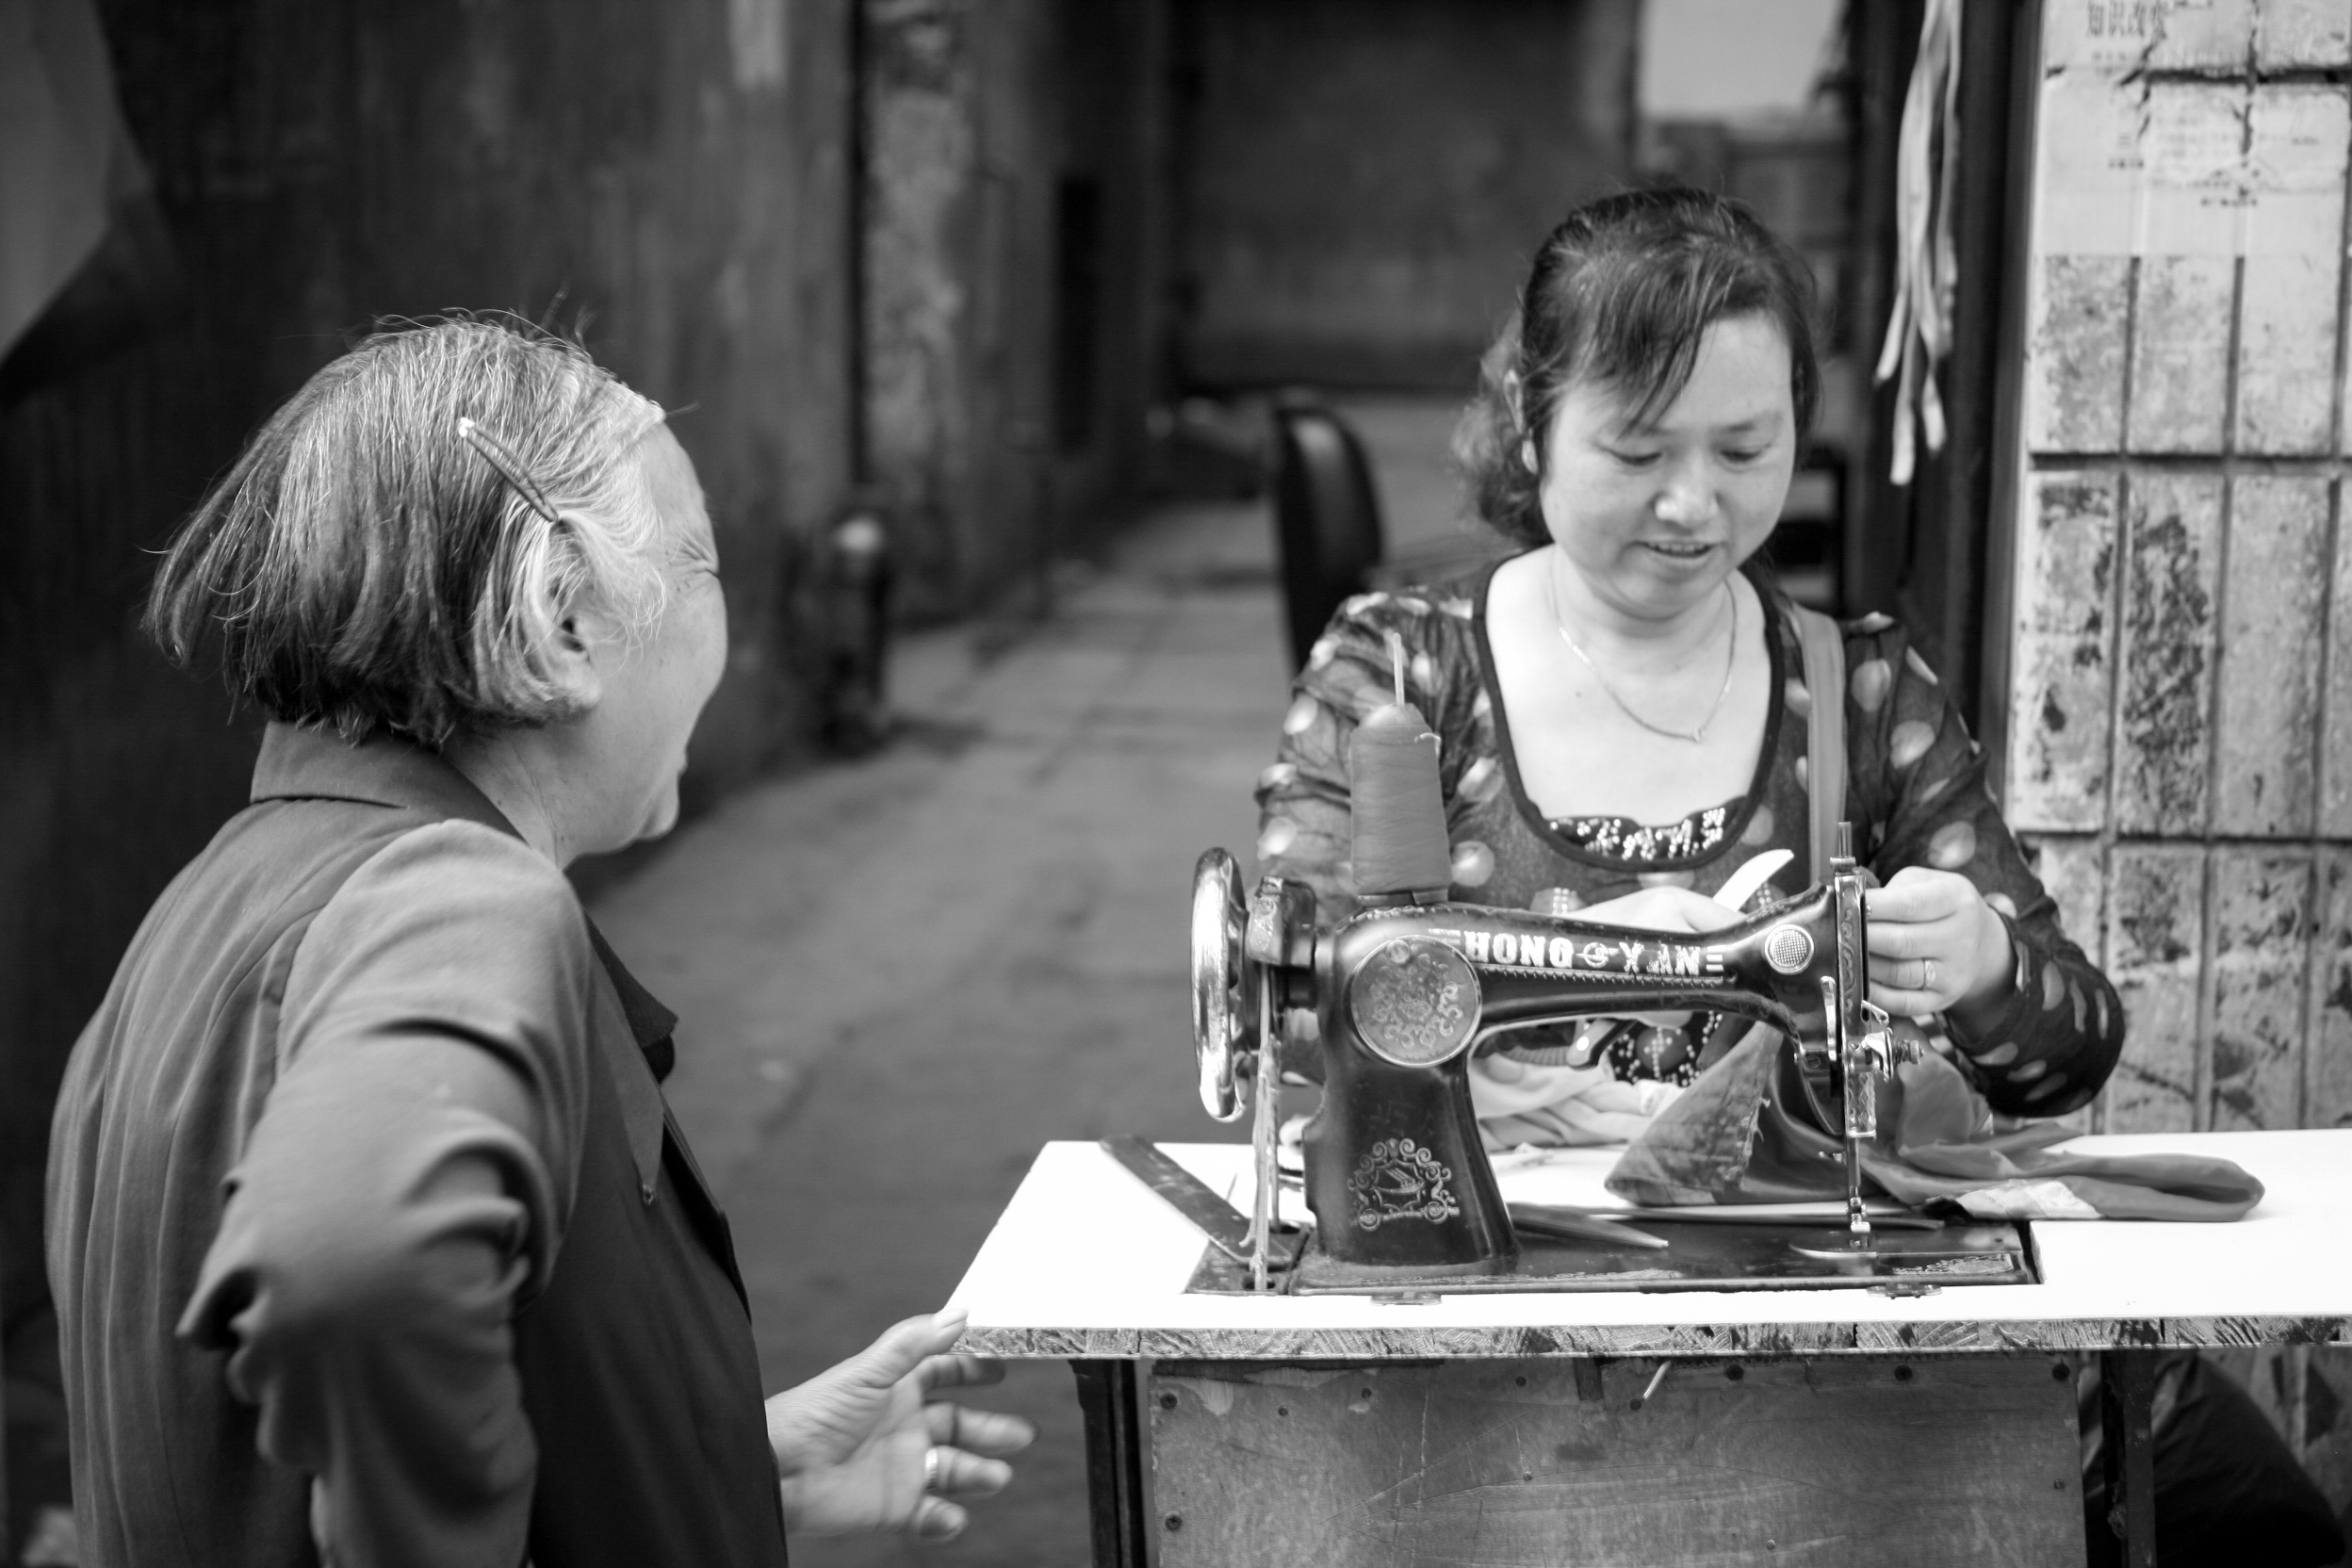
{"type": "Point", "coordinates": [509, 467]}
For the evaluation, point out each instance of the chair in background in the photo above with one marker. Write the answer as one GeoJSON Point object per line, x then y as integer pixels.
{"type": "Point", "coordinates": [1327, 515]}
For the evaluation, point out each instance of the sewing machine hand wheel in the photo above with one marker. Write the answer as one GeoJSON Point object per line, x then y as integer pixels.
{"type": "Point", "coordinates": [1225, 981]}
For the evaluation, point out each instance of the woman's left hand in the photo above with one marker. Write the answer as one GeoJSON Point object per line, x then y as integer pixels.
{"type": "Point", "coordinates": [855, 1444]}
{"type": "Point", "coordinates": [1936, 945]}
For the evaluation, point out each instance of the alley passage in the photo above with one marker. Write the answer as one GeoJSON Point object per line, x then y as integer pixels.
{"type": "Point", "coordinates": [898, 978]}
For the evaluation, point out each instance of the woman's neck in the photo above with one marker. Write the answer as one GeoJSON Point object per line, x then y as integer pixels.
{"type": "Point", "coordinates": [513, 771]}
{"type": "Point", "coordinates": [1629, 639]}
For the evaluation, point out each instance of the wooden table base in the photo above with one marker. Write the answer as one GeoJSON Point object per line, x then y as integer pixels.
{"type": "Point", "coordinates": [1942, 1461]}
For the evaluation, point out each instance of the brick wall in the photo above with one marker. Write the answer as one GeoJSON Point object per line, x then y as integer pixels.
{"type": "Point", "coordinates": [2181, 735]}
{"type": "Point", "coordinates": [2180, 717]}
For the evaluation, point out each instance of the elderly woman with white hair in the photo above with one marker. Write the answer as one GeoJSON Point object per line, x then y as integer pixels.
{"type": "Point", "coordinates": [373, 1239]}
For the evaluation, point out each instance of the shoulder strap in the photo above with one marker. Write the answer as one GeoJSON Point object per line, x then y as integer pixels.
{"type": "Point", "coordinates": [1824, 647]}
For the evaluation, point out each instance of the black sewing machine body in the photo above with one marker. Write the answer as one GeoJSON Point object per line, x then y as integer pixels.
{"type": "Point", "coordinates": [1395, 1173]}
{"type": "Point", "coordinates": [1405, 994]}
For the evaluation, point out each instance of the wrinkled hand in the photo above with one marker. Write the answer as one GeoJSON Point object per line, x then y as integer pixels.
{"type": "Point", "coordinates": [1936, 945]}
{"type": "Point", "coordinates": [850, 1444]}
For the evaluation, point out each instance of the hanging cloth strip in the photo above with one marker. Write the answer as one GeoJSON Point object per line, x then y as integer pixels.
{"type": "Point", "coordinates": [1927, 174]}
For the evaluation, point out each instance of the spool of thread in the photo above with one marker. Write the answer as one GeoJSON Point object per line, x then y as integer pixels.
{"type": "Point", "coordinates": [1398, 810]}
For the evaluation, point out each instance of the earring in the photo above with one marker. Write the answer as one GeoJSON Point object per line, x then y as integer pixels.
{"type": "Point", "coordinates": [1526, 453]}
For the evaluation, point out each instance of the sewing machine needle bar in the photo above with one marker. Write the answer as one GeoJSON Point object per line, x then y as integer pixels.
{"type": "Point", "coordinates": [1263, 1137]}
{"type": "Point", "coordinates": [1852, 1083]}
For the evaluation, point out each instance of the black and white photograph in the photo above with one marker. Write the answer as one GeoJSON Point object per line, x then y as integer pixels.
{"type": "Point", "coordinates": [1175, 783]}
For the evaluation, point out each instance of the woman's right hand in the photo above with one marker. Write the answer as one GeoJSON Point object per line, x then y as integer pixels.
{"type": "Point", "coordinates": [1662, 910]}
{"type": "Point", "coordinates": [1559, 1107]}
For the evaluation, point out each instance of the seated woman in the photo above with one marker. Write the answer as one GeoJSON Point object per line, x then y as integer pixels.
{"type": "Point", "coordinates": [1622, 707]}
{"type": "Point", "coordinates": [1624, 724]}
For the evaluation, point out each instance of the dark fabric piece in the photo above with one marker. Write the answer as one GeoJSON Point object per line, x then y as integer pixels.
{"type": "Point", "coordinates": [1747, 1133]}
{"type": "Point", "coordinates": [360, 1172]}
{"type": "Point", "coordinates": [1705, 1148]}
{"type": "Point", "coordinates": [1915, 794]}
{"type": "Point", "coordinates": [1946, 1147]}
{"type": "Point", "coordinates": [2228, 1491]}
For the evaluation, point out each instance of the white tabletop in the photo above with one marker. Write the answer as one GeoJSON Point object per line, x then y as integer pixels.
{"type": "Point", "coordinates": [1087, 1261]}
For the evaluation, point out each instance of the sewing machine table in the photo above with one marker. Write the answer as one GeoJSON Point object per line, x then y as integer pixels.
{"type": "Point", "coordinates": [1622, 1426]}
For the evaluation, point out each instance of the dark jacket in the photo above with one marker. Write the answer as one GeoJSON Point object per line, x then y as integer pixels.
{"type": "Point", "coordinates": [361, 1174]}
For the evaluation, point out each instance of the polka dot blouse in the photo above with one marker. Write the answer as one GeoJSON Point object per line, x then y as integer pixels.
{"type": "Point", "coordinates": [1915, 794]}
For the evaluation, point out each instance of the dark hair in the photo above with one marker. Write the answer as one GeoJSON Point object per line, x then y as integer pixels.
{"type": "Point", "coordinates": [368, 564]}
{"type": "Point", "coordinates": [1621, 293]}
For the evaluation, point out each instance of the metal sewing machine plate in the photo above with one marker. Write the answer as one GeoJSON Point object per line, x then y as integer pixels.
{"type": "Point", "coordinates": [1700, 1255]}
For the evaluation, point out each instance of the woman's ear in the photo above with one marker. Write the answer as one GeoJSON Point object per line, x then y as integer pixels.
{"type": "Point", "coordinates": [574, 656]}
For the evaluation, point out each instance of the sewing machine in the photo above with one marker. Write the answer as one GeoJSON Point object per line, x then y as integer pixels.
{"type": "Point", "coordinates": [1405, 993]}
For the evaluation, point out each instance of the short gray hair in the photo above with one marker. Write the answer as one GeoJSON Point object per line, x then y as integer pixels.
{"type": "Point", "coordinates": [366, 566]}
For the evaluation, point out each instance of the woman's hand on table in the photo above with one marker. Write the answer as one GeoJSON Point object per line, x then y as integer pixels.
{"type": "Point", "coordinates": [1936, 945]}
{"type": "Point", "coordinates": [853, 1445]}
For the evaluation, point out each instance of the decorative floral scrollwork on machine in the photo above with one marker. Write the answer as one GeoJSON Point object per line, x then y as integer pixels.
{"type": "Point", "coordinates": [1398, 1179]}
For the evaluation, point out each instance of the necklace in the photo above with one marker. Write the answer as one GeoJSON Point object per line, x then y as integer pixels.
{"type": "Point", "coordinates": [1731, 654]}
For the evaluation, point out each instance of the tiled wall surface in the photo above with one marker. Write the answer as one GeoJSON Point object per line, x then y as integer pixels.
{"type": "Point", "coordinates": [2181, 701]}
{"type": "Point", "coordinates": [2181, 735]}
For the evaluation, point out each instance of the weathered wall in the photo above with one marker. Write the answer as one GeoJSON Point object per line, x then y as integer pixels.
{"type": "Point", "coordinates": [1014, 153]}
{"type": "Point", "coordinates": [672, 175]}
{"type": "Point", "coordinates": [1363, 179]}
{"type": "Point", "coordinates": [2180, 712]}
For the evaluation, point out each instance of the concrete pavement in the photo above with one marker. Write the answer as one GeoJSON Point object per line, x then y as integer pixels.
{"type": "Point", "coordinates": [899, 978]}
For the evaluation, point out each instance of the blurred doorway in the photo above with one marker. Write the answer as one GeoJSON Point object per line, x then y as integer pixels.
{"type": "Point", "coordinates": [1795, 107]}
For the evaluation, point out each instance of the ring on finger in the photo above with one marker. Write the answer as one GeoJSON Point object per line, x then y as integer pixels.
{"type": "Point", "coordinates": [1927, 974]}
{"type": "Point", "coordinates": [934, 1462]}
